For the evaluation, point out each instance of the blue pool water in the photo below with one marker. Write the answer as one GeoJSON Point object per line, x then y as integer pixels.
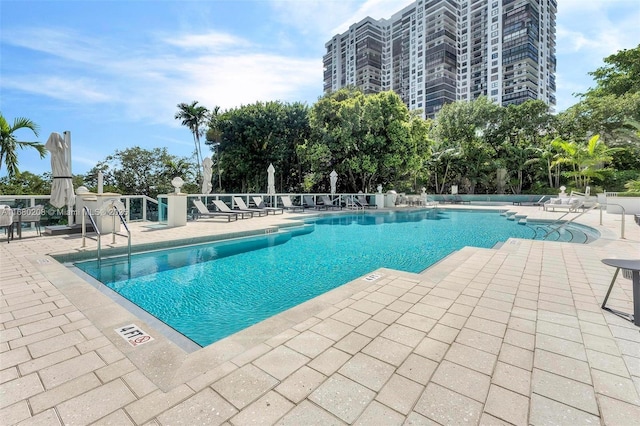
{"type": "Point", "coordinates": [210, 291]}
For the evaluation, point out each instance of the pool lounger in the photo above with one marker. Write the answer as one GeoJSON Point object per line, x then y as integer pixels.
{"type": "Point", "coordinates": [243, 207]}
{"type": "Point", "coordinates": [310, 203]}
{"type": "Point", "coordinates": [288, 205]}
{"type": "Point", "coordinates": [260, 204]}
{"type": "Point", "coordinates": [203, 211]}
{"type": "Point", "coordinates": [221, 206]}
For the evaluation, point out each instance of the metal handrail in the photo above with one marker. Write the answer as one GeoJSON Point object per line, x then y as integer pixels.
{"type": "Point", "coordinates": [113, 234]}
{"type": "Point", "coordinates": [86, 212]}
{"type": "Point", "coordinates": [570, 220]}
{"type": "Point", "coordinates": [622, 223]}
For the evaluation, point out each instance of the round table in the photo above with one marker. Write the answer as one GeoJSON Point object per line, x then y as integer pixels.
{"type": "Point", "coordinates": [634, 266]}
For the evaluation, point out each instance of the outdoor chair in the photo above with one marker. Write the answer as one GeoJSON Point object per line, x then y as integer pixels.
{"type": "Point", "coordinates": [259, 202]}
{"type": "Point", "coordinates": [31, 215]}
{"type": "Point", "coordinates": [243, 207]}
{"type": "Point", "coordinates": [459, 200]}
{"type": "Point", "coordinates": [6, 221]}
{"type": "Point", "coordinates": [204, 211]}
{"type": "Point", "coordinates": [328, 204]}
{"type": "Point", "coordinates": [364, 203]}
{"type": "Point", "coordinates": [288, 204]}
{"type": "Point", "coordinates": [222, 207]}
{"type": "Point", "coordinates": [310, 203]}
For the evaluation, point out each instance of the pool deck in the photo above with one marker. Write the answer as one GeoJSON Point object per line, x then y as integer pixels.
{"type": "Point", "coordinates": [513, 335]}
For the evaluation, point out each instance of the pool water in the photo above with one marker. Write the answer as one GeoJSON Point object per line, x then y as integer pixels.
{"type": "Point", "coordinates": [210, 291]}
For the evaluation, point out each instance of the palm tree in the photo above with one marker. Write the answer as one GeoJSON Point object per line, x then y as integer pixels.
{"type": "Point", "coordinates": [587, 159]}
{"type": "Point", "coordinates": [193, 116]}
{"type": "Point", "coordinates": [9, 143]}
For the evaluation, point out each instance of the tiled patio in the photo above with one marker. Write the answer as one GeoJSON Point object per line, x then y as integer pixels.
{"type": "Point", "coordinates": [513, 335]}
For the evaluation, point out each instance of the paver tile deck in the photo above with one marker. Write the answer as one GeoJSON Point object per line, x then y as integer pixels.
{"type": "Point", "coordinates": [513, 335]}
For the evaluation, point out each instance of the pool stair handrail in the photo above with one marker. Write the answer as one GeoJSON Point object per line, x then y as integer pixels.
{"type": "Point", "coordinates": [87, 213]}
{"type": "Point", "coordinates": [564, 224]}
{"type": "Point", "coordinates": [113, 211]}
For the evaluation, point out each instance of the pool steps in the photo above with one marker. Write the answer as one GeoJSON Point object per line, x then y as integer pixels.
{"type": "Point", "coordinates": [513, 215]}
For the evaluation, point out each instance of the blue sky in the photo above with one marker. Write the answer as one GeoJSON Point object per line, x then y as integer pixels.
{"type": "Point", "coordinates": [112, 72]}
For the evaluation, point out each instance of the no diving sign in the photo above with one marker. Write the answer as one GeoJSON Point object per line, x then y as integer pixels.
{"type": "Point", "coordinates": [134, 335]}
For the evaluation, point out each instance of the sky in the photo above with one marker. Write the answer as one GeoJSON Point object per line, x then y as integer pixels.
{"type": "Point", "coordinates": [113, 72]}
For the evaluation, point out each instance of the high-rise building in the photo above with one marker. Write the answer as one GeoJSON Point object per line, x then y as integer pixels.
{"type": "Point", "coordinates": [437, 51]}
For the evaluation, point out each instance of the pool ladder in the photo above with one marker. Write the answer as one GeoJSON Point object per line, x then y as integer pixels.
{"type": "Point", "coordinates": [87, 213]}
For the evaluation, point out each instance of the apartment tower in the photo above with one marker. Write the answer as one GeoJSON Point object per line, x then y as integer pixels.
{"type": "Point", "coordinates": [437, 51]}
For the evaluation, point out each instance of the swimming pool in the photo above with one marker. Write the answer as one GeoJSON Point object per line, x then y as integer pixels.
{"type": "Point", "coordinates": [210, 291]}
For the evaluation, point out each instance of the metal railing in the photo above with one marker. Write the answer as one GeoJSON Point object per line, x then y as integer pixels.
{"type": "Point", "coordinates": [569, 221]}
{"type": "Point", "coordinates": [622, 223]}
{"type": "Point", "coordinates": [115, 212]}
{"type": "Point", "coordinates": [85, 213]}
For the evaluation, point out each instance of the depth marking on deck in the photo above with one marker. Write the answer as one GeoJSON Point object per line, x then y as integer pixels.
{"type": "Point", "coordinates": [372, 277]}
{"type": "Point", "coordinates": [43, 261]}
{"type": "Point", "coordinates": [133, 334]}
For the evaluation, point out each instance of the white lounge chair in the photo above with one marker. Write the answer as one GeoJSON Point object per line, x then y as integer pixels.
{"type": "Point", "coordinates": [221, 206]}
{"type": "Point", "coordinates": [204, 211]}
{"type": "Point", "coordinates": [288, 204]}
{"type": "Point", "coordinates": [243, 207]}
{"type": "Point", "coordinates": [569, 204]}
{"type": "Point", "coordinates": [260, 204]}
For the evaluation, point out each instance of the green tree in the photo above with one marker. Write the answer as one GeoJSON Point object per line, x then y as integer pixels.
{"type": "Point", "coordinates": [249, 138]}
{"type": "Point", "coordinates": [620, 74]}
{"type": "Point", "coordinates": [9, 142]}
{"type": "Point", "coordinates": [462, 128]}
{"type": "Point", "coordinates": [140, 171]}
{"type": "Point", "coordinates": [586, 159]}
{"type": "Point", "coordinates": [25, 183]}
{"type": "Point", "coordinates": [194, 117]}
{"type": "Point", "coordinates": [366, 139]}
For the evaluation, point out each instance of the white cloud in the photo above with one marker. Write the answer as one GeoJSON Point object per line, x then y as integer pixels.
{"type": "Point", "coordinates": [147, 82]}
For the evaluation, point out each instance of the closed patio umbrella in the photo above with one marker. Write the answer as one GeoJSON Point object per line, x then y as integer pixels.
{"type": "Point", "coordinates": [333, 179]}
{"type": "Point", "coordinates": [207, 164]}
{"type": "Point", "coordinates": [271, 180]}
{"type": "Point", "coordinates": [62, 187]}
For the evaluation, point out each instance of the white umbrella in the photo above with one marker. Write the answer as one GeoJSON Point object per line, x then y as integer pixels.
{"type": "Point", "coordinates": [333, 178]}
{"type": "Point", "coordinates": [62, 186]}
{"type": "Point", "coordinates": [207, 164]}
{"type": "Point", "coordinates": [271, 180]}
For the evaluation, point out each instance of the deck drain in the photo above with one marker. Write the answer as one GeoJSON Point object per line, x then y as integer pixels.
{"type": "Point", "coordinates": [372, 277]}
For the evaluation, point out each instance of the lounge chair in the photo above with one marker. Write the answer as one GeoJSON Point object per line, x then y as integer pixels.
{"type": "Point", "coordinates": [221, 206]}
{"type": "Point", "coordinates": [458, 200]}
{"type": "Point", "coordinates": [311, 204]}
{"type": "Point", "coordinates": [260, 204]}
{"type": "Point", "coordinates": [328, 204]}
{"type": "Point", "coordinates": [243, 207]}
{"type": "Point", "coordinates": [364, 203]}
{"type": "Point", "coordinates": [570, 204]}
{"type": "Point", "coordinates": [204, 211]}
{"type": "Point", "coordinates": [533, 200]}
{"type": "Point", "coordinates": [288, 205]}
